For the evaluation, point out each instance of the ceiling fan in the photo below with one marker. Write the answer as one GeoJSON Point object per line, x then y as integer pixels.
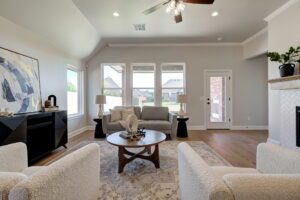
{"type": "Point", "coordinates": [176, 7]}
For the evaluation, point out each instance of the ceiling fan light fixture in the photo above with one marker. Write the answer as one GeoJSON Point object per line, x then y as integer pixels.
{"type": "Point", "coordinates": [181, 6]}
{"type": "Point", "coordinates": [168, 9]}
{"type": "Point", "coordinates": [215, 13]}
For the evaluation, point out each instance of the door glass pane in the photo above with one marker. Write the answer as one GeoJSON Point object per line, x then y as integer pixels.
{"type": "Point", "coordinates": [143, 97]}
{"type": "Point", "coordinates": [113, 98]}
{"type": "Point", "coordinates": [217, 99]}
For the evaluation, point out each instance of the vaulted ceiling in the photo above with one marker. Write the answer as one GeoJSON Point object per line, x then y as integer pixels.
{"type": "Point", "coordinates": [79, 27]}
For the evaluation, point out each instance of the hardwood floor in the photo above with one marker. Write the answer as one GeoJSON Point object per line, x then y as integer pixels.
{"type": "Point", "coordinates": [237, 147]}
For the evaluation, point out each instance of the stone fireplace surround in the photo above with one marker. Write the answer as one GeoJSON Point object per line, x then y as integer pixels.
{"type": "Point", "coordinates": [289, 89]}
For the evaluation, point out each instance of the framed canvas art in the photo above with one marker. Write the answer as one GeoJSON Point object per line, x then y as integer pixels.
{"type": "Point", "coordinates": [20, 90]}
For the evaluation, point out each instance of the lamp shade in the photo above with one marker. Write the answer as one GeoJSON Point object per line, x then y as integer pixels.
{"type": "Point", "coordinates": [181, 98]}
{"type": "Point", "coordinates": [100, 99]}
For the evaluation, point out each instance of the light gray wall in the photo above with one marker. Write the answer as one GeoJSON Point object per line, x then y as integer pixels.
{"type": "Point", "coordinates": [284, 31]}
{"type": "Point", "coordinates": [52, 63]}
{"type": "Point", "coordinates": [249, 77]}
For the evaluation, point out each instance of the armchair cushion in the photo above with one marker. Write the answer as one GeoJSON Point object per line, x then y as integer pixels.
{"type": "Point", "coordinates": [155, 113]}
{"type": "Point", "coordinates": [32, 170]}
{"type": "Point", "coordinates": [221, 171]}
{"type": "Point", "coordinates": [274, 159]}
{"type": "Point", "coordinates": [263, 186]}
{"type": "Point", "coordinates": [7, 181]}
{"type": "Point", "coordinates": [13, 157]}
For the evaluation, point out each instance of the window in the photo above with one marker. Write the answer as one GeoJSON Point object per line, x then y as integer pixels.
{"type": "Point", "coordinates": [74, 91]}
{"type": "Point", "coordinates": [143, 84]}
{"type": "Point", "coordinates": [172, 84]}
{"type": "Point", "coordinates": [113, 85]}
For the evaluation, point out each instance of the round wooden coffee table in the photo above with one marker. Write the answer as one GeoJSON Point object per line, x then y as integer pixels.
{"type": "Point", "coordinates": [152, 138]}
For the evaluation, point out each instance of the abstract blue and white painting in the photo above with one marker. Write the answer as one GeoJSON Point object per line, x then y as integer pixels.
{"type": "Point", "coordinates": [20, 82]}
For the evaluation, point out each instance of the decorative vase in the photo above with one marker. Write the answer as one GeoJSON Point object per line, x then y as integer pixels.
{"type": "Point", "coordinates": [132, 124]}
{"type": "Point", "coordinates": [287, 69]}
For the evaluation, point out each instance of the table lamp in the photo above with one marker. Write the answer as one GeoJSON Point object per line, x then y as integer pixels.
{"type": "Point", "coordinates": [181, 98]}
{"type": "Point", "coordinates": [100, 100]}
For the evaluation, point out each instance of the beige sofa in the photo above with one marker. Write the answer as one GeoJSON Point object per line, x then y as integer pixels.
{"type": "Point", "coordinates": [75, 176]}
{"type": "Point", "coordinates": [276, 177]}
{"type": "Point", "coordinates": [150, 117]}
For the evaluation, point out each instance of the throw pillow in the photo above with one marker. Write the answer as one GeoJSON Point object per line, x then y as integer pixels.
{"type": "Point", "coordinates": [115, 115]}
{"type": "Point", "coordinates": [126, 113]}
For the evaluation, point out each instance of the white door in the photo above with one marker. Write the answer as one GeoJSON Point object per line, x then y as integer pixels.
{"type": "Point", "coordinates": [218, 99]}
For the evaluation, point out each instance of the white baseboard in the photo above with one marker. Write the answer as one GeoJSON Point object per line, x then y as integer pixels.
{"type": "Point", "coordinates": [81, 130]}
{"type": "Point", "coordinates": [272, 141]}
{"type": "Point", "coordinates": [196, 128]}
{"type": "Point", "coordinates": [241, 128]}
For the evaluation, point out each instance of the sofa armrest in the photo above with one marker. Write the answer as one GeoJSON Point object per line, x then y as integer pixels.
{"type": "Point", "coordinates": [274, 159]}
{"type": "Point", "coordinates": [7, 181]}
{"type": "Point", "coordinates": [105, 121]}
{"type": "Point", "coordinates": [75, 176]}
{"type": "Point", "coordinates": [197, 180]}
{"type": "Point", "coordinates": [263, 186]}
{"type": "Point", "coordinates": [173, 121]}
{"type": "Point", "coordinates": [13, 157]}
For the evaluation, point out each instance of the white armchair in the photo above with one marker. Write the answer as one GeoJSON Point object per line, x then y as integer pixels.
{"type": "Point", "coordinates": [75, 176]}
{"type": "Point", "coordinates": [276, 177]}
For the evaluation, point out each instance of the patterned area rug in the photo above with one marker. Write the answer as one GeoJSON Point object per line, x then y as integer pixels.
{"type": "Point", "coordinates": [140, 179]}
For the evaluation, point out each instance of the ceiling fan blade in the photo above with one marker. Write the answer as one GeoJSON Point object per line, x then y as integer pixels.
{"type": "Point", "coordinates": [199, 1]}
{"type": "Point", "coordinates": [178, 18]}
{"type": "Point", "coordinates": [155, 8]}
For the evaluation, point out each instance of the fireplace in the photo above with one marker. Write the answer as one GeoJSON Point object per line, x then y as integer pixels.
{"type": "Point", "coordinates": [298, 126]}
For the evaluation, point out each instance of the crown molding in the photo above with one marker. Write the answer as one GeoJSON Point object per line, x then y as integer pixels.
{"type": "Point", "coordinates": [256, 35]}
{"type": "Point", "coordinates": [172, 44]}
{"type": "Point", "coordinates": [281, 10]}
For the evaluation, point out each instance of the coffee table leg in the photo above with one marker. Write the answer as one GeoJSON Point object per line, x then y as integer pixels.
{"type": "Point", "coordinates": [148, 149]}
{"type": "Point", "coordinates": [122, 159]}
{"type": "Point", "coordinates": [155, 156]}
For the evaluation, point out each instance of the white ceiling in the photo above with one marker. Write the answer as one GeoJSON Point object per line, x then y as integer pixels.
{"type": "Point", "coordinates": [238, 20]}
{"type": "Point", "coordinates": [77, 26]}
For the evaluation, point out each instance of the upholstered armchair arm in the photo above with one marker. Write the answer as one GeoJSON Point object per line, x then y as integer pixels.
{"type": "Point", "coordinates": [105, 121]}
{"type": "Point", "coordinates": [13, 157]}
{"type": "Point", "coordinates": [75, 176]}
{"type": "Point", "coordinates": [173, 120]}
{"type": "Point", "coordinates": [7, 181]}
{"type": "Point", "coordinates": [274, 159]}
{"type": "Point", "coordinates": [263, 186]}
{"type": "Point", "coordinates": [196, 178]}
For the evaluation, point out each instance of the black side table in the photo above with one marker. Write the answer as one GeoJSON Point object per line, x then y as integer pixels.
{"type": "Point", "coordinates": [181, 128]}
{"type": "Point", "coordinates": [99, 131]}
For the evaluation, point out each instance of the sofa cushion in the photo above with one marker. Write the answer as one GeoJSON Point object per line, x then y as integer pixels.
{"type": "Point", "coordinates": [158, 125]}
{"type": "Point", "coordinates": [155, 113]}
{"type": "Point", "coordinates": [7, 181]}
{"type": "Point", "coordinates": [126, 113]}
{"type": "Point", "coordinates": [137, 110]}
{"type": "Point", "coordinates": [115, 114]}
{"type": "Point", "coordinates": [32, 170]}
{"type": "Point", "coordinates": [114, 126]}
{"type": "Point", "coordinates": [221, 171]}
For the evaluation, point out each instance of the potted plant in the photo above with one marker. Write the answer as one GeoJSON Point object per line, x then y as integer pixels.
{"type": "Point", "coordinates": [286, 60]}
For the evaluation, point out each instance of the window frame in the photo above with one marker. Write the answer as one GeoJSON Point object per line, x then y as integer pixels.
{"type": "Point", "coordinates": [184, 80]}
{"type": "Point", "coordinates": [155, 81]}
{"type": "Point", "coordinates": [80, 86]}
{"type": "Point", "coordinates": [123, 89]}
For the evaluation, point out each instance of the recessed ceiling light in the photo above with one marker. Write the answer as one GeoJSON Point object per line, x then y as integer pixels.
{"type": "Point", "coordinates": [220, 39]}
{"type": "Point", "coordinates": [214, 14]}
{"type": "Point", "coordinates": [116, 14]}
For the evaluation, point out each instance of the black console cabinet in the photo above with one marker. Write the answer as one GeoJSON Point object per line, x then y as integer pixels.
{"type": "Point", "coordinates": [43, 132]}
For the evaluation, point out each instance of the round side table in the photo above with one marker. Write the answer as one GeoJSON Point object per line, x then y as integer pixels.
{"type": "Point", "coordinates": [181, 128]}
{"type": "Point", "coordinates": [99, 130]}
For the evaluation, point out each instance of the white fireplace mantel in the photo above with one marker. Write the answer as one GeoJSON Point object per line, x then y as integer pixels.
{"type": "Point", "coordinates": [285, 83]}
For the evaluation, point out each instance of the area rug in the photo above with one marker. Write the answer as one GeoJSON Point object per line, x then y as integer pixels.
{"type": "Point", "coordinates": [140, 179]}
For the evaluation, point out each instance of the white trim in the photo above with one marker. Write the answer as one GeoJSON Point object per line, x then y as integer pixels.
{"type": "Point", "coordinates": [281, 10]}
{"type": "Point", "coordinates": [172, 44]}
{"type": "Point", "coordinates": [78, 131]}
{"type": "Point", "coordinates": [241, 128]}
{"type": "Point", "coordinates": [256, 35]}
{"type": "Point", "coordinates": [272, 141]}
{"type": "Point", "coordinates": [196, 128]}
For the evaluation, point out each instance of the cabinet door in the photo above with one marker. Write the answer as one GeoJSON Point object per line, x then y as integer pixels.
{"type": "Point", "coordinates": [60, 128]}
{"type": "Point", "coordinates": [13, 129]}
